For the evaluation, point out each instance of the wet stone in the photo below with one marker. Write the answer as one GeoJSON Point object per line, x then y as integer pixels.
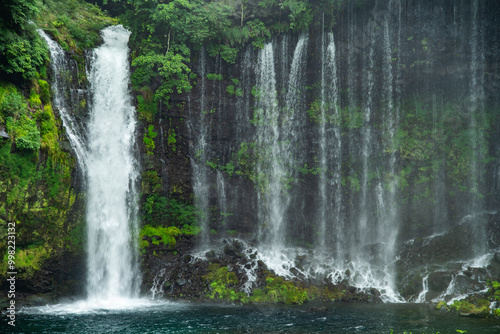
{"type": "Point", "coordinates": [181, 281]}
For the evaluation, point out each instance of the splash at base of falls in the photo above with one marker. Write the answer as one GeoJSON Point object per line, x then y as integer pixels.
{"type": "Point", "coordinates": [298, 264]}
{"type": "Point", "coordinates": [96, 307]}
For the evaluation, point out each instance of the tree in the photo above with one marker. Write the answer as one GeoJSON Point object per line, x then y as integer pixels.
{"type": "Point", "coordinates": [21, 49]}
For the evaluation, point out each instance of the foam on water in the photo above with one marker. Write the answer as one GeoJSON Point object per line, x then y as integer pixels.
{"type": "Point", "coordinates": [104, 306]}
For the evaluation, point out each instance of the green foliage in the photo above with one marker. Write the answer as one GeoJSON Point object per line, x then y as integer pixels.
{"type": "Point", "coordinates": [279, 290]}
{"type": "Point", "coordinates": [226, 52]}
{"type": "Point", "coordinates": [300, 13]}
{"type": "Point", "coordinates": [222, 283]}
{"type": "Point", "coordinates": [171, 139]}
{"type": "Point", "coordinates": [494, 289]}
{"type": "Point", "coordinates": [170, 67]}
{"type": "Point", "coordinates": [28, 260]}
{"type": "Point", "coordinates": [74, 24]}
{"type": "Point", "coordinates": [21, 49]}
{"type": "Point", "coordinates": [151, 182]}
{"type": "Point", "coordinates": [494, 292]}
{"type": "Point", "coordinates": [442, 304]}
{"type": "Point", "coordinates": [24, 132]}
{"type": "Point", "coordinates": [35, 189]}
{"type": "Point", "coordinates": [309, 171]}
{"type": "Point", "coordinates": [351, 181]}
{"type": "Point", "coordinates": [49, 132]}
{"type": "Point", "coordinates": [149, 139]}
{"type": "Point", "coordinates": [479, 308]}
{"type": "Point", "coordinates": [146, 106]}
{"type": "Point", "coordinates": [345, 118]}
{"type": "Point", "coordinates": [12, 103]}
{"type": "Point", "coordinates": [259, 33]}
{"type": "Point", "coordinates": [168, 211]}
{"type": "Point", "coordinates": [214, 76]}
{"type": "Point", "coordinates": [158, 234]}
{"type": "Point", "coordinates": [34, 99]}
{"type": "Point", "coordinates": [429, 140]}
{"type": "Point", "coordinates": [44, 91]}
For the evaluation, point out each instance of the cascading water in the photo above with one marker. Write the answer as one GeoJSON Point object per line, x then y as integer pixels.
{"type": "Point", "coordinates": [199, 152]}
{"type": "Point", "coordinates": [266, 113]}
{"type": "Point", "coordinates": [278, 137]}
{"type": "Point", "coordinates": [112, 172]}
{"type": "Point", "coordinates": [351, 148]}
{"type": "Point", "coordinates": [61, 84]}
{"type": "Point", "coordinates": [477, 121]}
{"type": "Point", "coordinates": [105, 153]}
{"type": "Point", "coordinates": [330, 215]}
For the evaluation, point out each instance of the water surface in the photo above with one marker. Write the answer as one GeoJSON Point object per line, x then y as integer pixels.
{"type": "Point", "coordinates": [205, 318]}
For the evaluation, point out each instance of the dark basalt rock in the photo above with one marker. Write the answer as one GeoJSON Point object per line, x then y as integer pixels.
{"type": "Point", "coordinates": [439, 281]}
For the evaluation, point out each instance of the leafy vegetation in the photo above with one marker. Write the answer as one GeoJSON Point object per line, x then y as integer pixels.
{"type": "Point", "coordinates": [35, 180]}
{"type": "Point", "coordinates": [74, 24]}
{"type": "Point", "coordinates": [157, 235]}
{"type": "Point", "coordinates": [160, 210]}
{"type": "Point", "coordinates": [224, 285]}
{"type": "Point", "coordinates": [22, 51]}
{"type": "Point", "coordinates": [149, 139]}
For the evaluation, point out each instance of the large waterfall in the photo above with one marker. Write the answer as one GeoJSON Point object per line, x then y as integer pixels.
{"type": "Point", "coordinates": [112, 172]}
{"type": "Point", "coordinates": [361, 153]}
{"type": "Point", "coordinates": [352, 148]}
{"type": "Point", "coordinates": [104, 144]}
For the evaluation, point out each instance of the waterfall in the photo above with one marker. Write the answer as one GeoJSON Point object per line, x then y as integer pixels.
{"type": "Point", "coordinates": [61, 87]}
{"type": "Point", "coordinates": [364, 233]}
{"type": "Point", "coordinates": [221, 195]}
{"type": "Point", "coordinates": [331, 222]}
{"type": "Point", "coordinates": [477, 120]}
{"type": "Point", "coordinates": [105, 152]}
{"type": "Point", "coordinates": [278, 137]}
{"type": "Point", "coordinates": [269, 173]}
{"type": "Point", "coordinates": [112, 172]}
{"type": "Point", "coordinates": [198, 129]}
{"type": "Point", "coordinates": [425, 288]}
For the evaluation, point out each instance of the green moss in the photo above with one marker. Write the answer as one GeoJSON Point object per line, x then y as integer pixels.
{"type": "Point", "coordinates": [34, 99]}
{"type": "Point", "coordinates": [35, 189]}
{"type": "Point", "coordinates": [442, 304]}
{"type": "Point", "coordinates": [478, 308]}
{"type": "Point", "coordinates": [44, 91]}
{"type": "Point", "coordinates": [278, 289]}
{"type": "Point", "coordinates": [222, 283]}
{"type": "Point", "coordinates": [151, 182]}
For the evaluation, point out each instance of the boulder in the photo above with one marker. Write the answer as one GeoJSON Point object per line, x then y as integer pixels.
{"type": "Point", "coordinates": [439, 281]}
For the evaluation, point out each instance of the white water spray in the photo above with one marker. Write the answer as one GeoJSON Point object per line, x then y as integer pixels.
{"type": "Point", "coordinates": [105, 153]}
{"type": "Point", "coordinates": [111, 172]}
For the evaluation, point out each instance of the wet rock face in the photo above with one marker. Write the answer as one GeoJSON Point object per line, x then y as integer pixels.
{"type": "Point", "coordinates": [446, 261]}
{"type": "Point", "coordinates": [179, 274]}
{"type": "Point", "coordinates": [439, 281]}
{"type": "Point", "coordinates": [61, 277]}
